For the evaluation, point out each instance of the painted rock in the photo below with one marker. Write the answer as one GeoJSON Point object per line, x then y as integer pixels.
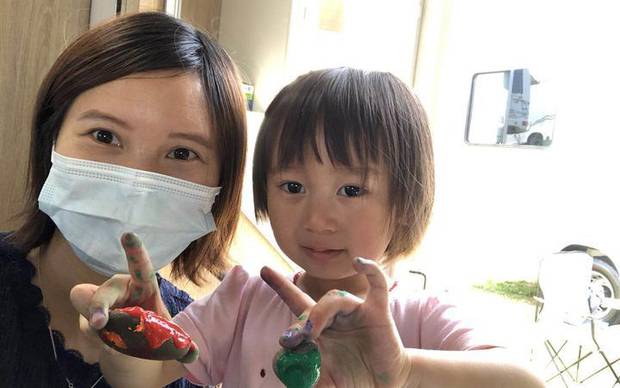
{"type": "Point", "coordinates": [298, 367]}
{"type": "Point", "coordinates": [144, 334]}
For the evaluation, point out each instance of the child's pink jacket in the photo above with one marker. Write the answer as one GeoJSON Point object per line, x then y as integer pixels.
{"type": "Point", "coordinates": [237, 329]}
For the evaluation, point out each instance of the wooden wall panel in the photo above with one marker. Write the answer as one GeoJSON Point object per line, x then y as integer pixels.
{"type": "Point", "coordinates": [32, 34]}
{"type": "Point", "coordinates": [204, 14]}
{"type": "Point", "coordinates": [152, 5]}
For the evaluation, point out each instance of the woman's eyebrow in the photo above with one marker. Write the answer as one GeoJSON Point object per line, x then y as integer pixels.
{"type": "Point", "coordinates": [195, 137]}
{"type": "Point", "coordinates": [94, 114]}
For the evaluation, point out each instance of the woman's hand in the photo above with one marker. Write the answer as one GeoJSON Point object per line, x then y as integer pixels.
{"type": "Point", "coordinates": [359, 344]}
{"type": "Point", "coordinates": [139, 288]}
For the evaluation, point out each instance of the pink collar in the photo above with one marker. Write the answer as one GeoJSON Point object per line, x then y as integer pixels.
{"type": "Point", "coordinates": [298, 275]}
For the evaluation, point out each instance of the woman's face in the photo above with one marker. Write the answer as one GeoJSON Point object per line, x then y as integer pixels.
{"type": "Point", "coordinates": [154, 121]}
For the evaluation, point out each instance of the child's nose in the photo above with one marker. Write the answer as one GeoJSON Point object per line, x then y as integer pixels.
{"type": "Point", "coordinates": [319, 216]}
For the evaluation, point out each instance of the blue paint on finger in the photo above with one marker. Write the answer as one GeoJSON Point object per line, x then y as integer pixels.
{"type": "Point", "coordinates": [98, 318]}
{"type": "Point", "coordinates": [131, 240]}
{"type": "Point", "coordinates": [291, 338]}
{"type": "Point", "coordinates": [308, 329]}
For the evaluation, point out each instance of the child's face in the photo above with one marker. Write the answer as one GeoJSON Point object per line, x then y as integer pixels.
{"type": "Point", "coordinates": [323, 215]}
{"type": "Point", "coordinates": [156, 121]}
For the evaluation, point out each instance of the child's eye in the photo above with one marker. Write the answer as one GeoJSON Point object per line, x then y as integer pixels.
{"type": "Point", "coordinates": [351, 191]}
{"type": "Point", "coordinates": [292, 187]}
{"type": "Point", "coordinates": [105, 136]}
{"type": "Point", "coordinates": [182, 154]}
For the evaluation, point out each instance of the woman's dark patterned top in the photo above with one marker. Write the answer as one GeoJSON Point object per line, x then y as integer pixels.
{"type": "Point", "coordinates": [26, 355]}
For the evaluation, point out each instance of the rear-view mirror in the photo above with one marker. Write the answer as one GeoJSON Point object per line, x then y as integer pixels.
{"type": "Point", "coordinates": [510, 108]}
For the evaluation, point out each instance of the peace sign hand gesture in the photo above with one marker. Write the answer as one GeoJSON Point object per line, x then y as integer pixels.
{"type": "Point", "coordinates": [129, 328]}
{"type": "Point", "coordinates": [139, 288]}
{"type": "Point", "coordinates": [357, 338]}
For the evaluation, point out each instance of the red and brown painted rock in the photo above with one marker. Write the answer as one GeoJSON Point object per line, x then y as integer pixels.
{"type": "Point", "coordinates": [144, 334]}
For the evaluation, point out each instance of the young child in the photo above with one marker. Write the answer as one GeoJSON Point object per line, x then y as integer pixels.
{"type": "Point", "coordinates": [343, 169]}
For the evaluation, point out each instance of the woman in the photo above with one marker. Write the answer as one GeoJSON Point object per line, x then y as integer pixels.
{"type": "Point", "coordinates": [139, 126]}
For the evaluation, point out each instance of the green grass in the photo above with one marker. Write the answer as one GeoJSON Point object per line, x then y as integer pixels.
{"type": "Point", "coordinates": [519, 290]}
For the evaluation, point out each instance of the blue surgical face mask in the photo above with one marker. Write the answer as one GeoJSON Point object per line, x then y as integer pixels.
{"type": "Point", "coordinates": [93, 204]}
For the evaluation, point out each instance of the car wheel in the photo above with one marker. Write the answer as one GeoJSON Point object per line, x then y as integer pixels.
{"type": "Point", "coordinates": [605, 283]}
{"type": "Point", "coordinates": [535, 138]}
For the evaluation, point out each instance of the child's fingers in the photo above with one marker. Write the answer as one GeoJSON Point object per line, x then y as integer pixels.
{"type": "Point", "coordinates": [294, 298]}
{"type": "Point", "coordinates": [312, 322]}
{"type": "Point", "coordinates": [377, 281]}
{"type": "Point", "coordinates": [331, 305]}
{"type": "Point", "coordinates": [294, 335]}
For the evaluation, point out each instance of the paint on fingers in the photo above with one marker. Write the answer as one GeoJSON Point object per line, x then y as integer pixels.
{"type": "Point", "coordinates": [363, 262]}
{"type": "Point", "coordinates": [384, 378]}
{"type": "Point", "coordinates": [137, 293]}
{"type": "Point", "coordinates": [133, 248]}
{"type": "Point", "coordinates": [291, 337]}
{"type": "Point", "coordinates": [340, 293]}
{"type": "Point", "coordinates": [98, 318]}
{"type": "Point", "coordinates": [307, 331]}
{"type": "Point", "coordinates": [131, 241]}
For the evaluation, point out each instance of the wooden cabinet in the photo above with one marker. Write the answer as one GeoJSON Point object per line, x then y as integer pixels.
{"type": "Point", "coordinates": [32, 34]}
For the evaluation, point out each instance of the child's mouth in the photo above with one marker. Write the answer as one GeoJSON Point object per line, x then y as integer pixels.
{"type": "Point", "coordinates": [322, 254]}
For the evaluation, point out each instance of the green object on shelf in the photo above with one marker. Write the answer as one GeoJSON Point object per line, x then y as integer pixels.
{"type": "Point", "coordinates": [248, 93]}
{"type": "Point", "coordinates": [298, 367]}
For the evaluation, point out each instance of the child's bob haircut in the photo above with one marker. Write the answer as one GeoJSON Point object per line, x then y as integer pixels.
{"type": "Point", "coordinates": [366, 117]}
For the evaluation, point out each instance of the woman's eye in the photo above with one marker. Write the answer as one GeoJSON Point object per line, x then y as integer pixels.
{"type": "Point", "coordinates": [292, 187]}
{"type": "Point", "coordinates": [182, 154]}
{"type": "Point", "coordinates": [106, 137]}
{"type": "Point", "coordinates": [351, 191]}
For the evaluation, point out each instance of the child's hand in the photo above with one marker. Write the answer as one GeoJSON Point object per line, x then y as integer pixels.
{"type": "Point", "coordinates": [359, 344]}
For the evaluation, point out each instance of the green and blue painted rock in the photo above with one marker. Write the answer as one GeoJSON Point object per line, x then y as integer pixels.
{"type": "Point", "coordinates": [298, 367]}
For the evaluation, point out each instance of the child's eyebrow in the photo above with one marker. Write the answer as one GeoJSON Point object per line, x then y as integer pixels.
{"type": "Point", "coordinates": [370, 170]}
{"type": "Point", "coordinates": [359, 170]}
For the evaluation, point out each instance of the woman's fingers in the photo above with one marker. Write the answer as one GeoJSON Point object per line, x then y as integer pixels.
{"type": "Point", "coordinates": [294, 298]}
{"type": "Point", "coordinates": [138, 262]}
{"type": "Point", "coordinates": [143, 290]}
{"type": "Point", "coordinates": [81, 297]}
{"type": "Point", "coordinates": [111, 292]}
{"type": "Point", "coordinates": [94, 302]}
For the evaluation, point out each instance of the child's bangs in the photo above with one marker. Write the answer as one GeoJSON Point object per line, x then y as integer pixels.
{"type": "Point", "coordinates": [350, 136]}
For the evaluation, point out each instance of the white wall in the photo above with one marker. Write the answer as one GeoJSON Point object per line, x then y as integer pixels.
{"type": "Point", "coordinates": [499, 209]}
{"type": "Point", "coordinates": [255, 34]}
{"type": "Point", "coordinates": [274, 41]}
